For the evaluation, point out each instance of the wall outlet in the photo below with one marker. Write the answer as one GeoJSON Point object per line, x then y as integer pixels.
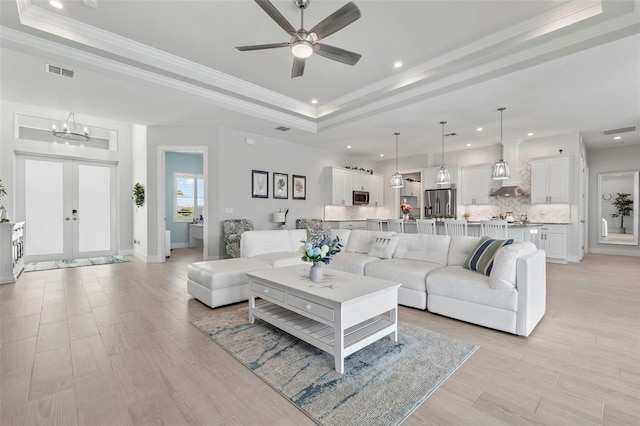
{"type": "Point", "coordinates": [136, 241]}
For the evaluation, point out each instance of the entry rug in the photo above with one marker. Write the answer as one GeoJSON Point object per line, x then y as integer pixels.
{"type": "Point", "coordinates": [73, 263]}
{"type": "Point", "coordinates": [383, 383]}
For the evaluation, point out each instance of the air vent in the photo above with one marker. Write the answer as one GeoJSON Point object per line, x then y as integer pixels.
{"type": "Point", "coordinates": [60, 71]}
{"type": "Point", "coordinates": [620, 130]}
{"type": "Point", "coordinates": [283, 129]}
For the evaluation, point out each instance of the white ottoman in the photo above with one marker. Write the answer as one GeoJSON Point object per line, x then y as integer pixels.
{"type": "Point", "coordinates": [221, 282]}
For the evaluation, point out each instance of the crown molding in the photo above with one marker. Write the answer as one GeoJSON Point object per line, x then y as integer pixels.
{"type": "Point", "coordinates": [21, 40]}
{"type": "Point", "coordinates": [62, 26]}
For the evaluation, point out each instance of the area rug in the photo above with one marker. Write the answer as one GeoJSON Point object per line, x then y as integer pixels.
{"type": "Point", "coordinates": [383, 383]}
{"type": "Point", "coordinates": [73, 263]}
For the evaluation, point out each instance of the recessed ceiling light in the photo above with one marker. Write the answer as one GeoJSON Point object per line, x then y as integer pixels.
{"type": "Point", "coordinates": [314, 101]}
{"type": "Point", "coordinates": [381, 155]}
{"type": "Point", "coordinates": [618, 138]}
{"type": "Point", "coordinates": [529, 134]}
{"type": "Point", "coordinates": [397, 64]}
{"type": "Point", "coordinates": [479, 129]}
{"type": "Point", "coordinates": [348, 146]}
{"type": "Point", "coordinates": [468, 144]}
{"type": "Point", "coordinates": [56, 4]}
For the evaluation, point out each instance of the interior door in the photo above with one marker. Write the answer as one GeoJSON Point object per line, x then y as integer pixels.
{"type": "Point", "coordinates": [69, 207]}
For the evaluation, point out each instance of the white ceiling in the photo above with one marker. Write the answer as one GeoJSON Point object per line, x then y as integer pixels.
{"type": "Point", "coordinates": [558, 66]}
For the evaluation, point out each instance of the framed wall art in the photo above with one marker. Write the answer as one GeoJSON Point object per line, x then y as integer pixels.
{"type": "Point", "coordinates": [299, 185]}
{"type": "Point", "coordinates": [259, 184]}
{"type": "Point", "coordinates": [280, 186]}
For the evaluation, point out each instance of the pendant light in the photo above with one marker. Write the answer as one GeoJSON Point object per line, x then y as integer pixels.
{"type": "Point", "coordinates": [396, 179]}
{"type": "Point", "coordinates": [501, 168]}
{"type": "Point", "coordinates": [443, 176]}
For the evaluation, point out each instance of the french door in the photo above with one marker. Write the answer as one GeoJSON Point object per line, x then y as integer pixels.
{"type": "Point", "coordinates": [69, 207]}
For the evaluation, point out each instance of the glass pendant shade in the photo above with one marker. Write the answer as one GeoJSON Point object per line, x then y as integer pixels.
{"type": "Point", "coordinates": [443, 176]}
{"type": "Point", "coordinates": [396, 180]}
{"type": "Point", "coordinates": [501, 168]}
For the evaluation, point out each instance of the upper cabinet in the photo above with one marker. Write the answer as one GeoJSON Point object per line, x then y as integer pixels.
{"type": "Point", "coordinates": [550, 178]}
{"type": "Point", "coordinates": [410, 189]}
{"type": "Point", "coordinates": [339, 186]}
{"type": "Point", "coordinates": [475, 184]}
{"type": "Point", "coordinates": [376, 192]}
{"type": "Point", "coordinates": [361, 181]}
{"type": "Point", "coordinates": [341, 183]}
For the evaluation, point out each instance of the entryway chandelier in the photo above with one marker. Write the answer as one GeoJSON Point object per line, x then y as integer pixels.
{"type": "Point", "coordinates": [71, 130]}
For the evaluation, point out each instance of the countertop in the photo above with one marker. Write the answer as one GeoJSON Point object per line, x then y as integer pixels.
{"type": "Point", "coordinates": [511, 225]}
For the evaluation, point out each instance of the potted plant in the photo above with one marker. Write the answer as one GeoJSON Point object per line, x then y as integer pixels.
{"type": "Point", "coordinates": [623, 205]}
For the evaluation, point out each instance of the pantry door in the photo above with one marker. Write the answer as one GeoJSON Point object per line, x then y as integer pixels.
{"type": "Point", "coordinates": [69, 207]}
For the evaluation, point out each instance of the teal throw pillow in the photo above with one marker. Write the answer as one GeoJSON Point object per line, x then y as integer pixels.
{"type": "Point", "coordinates": [481, 258]}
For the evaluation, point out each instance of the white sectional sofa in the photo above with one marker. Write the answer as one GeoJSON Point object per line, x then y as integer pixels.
{"type": "Point", "coordinates": [429, 268]}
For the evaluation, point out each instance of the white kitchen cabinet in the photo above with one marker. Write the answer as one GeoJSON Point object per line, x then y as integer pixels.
{"type": "Point", "coordinates": [550, 179]}
{"type": "Point", "coordinates": [475, 185]}
{"type": "Point", "coordinates": [361, 181]}
{"type": "Point", "coordinates": [411, 189]}
{"type": "Point", "coordinates": [553, 240]}
{"type": "Point", "coordinates": [376, 191]}
{"type": "Point", "coordinates": [339, 187]}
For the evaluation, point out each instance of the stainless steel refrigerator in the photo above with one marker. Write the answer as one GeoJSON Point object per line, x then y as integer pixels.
{"type": "Point", "coordinates": [440, 203]}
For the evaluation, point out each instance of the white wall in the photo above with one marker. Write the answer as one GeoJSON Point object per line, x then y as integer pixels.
{"type": "Point", "coordinates": [237, 159]}
{"type": "Point", "coordinates": [623, 158]}
{"type": "Point", "coordinates": [9, 145]}
{"type": "Point", "coordinates": [139, 175]}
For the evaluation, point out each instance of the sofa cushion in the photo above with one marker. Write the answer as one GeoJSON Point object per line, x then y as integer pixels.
{"type": "Point", "coordinates": [481, 259]}
{"type": "Point", "coordinates": [254, 243]}
{"type": "Point", "coordinates": [297, 237]}
{"type": "Point", "coordinates": [383, 246]}
{"type": "Point", "coordinates": [280, 259]}
{"type": "Point", "coordinates": [360, 241]}
{"type": "Point", "coordinates": [410, 273]}
{"type": "Point", "coordinates": [351, 262]}
{"type": "Point", "coordinates": [343, 234]}
{"type": "Point", "coordinates": [503, 274]}
{"type": "Point", "coordinates": [460, 248]}
{"type": "Point", "coordinates": [216, 274]}
{"type": "Point", "coordinates": [425, 248]}
{"type": "Point", "coordinates": [456, 282]}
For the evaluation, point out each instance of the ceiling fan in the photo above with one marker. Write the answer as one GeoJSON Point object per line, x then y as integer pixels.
{"type": "Point", "coordinates": [304, 43]}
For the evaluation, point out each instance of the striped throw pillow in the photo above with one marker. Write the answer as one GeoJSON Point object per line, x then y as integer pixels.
{"type": "Point", "coordinates": [481, 258]}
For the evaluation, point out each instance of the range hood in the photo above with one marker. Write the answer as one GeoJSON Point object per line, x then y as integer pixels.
{"type": "Point", "coordinates": [510, 186]}
{"type": "Point", "coordinates": [509, 191]}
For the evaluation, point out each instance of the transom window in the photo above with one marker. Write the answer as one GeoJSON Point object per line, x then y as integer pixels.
{"type": "Point", "coordinates": [188, 201]}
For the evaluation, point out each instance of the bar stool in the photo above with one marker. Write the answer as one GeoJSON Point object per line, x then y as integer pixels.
{"type": "Point", "coordinates": [396, 225]}
{"type": "Point", "coordinates": [454, 227]}
{"type": "Point", "coordinates": [374, 224]}
{"type": "Point", "coordinates": [426, 226]}
{"type": "Point", "coordinates": [496, 229]}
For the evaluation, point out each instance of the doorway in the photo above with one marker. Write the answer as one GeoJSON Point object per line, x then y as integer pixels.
{"type": "Point", "coordinates": [69, 207]}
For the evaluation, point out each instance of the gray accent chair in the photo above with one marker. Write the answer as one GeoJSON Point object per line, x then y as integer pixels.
{"type": "Point", "coordinates": [232, 229]}
{"type": "Point", "coordinates": [309, 223]}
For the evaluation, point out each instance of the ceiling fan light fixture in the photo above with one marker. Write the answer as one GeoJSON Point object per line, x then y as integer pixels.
{"type": "Point", "coordinates": [302, 49]}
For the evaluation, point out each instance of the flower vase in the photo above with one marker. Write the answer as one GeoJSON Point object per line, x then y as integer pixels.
{"type": "Point", "coordinates": [405, 217]}
{"type": "Point", "coordinates": [315, 273]}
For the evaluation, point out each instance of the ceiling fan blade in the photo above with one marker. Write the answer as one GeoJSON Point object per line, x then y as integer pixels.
{"type": "Point", "coordinates": [336, 21]}
{"type": "Point", "coordinates": [298, 67]}
{"type": "Point", "coordinates": [276, 16]}
{"type": "Point", "coordinates": [337, 54]}
{"type": "Point", "coordinates": [262, 46]}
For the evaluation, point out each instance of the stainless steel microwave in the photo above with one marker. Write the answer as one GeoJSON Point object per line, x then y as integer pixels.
{"type": "Point", "coordinates": [360, 198]}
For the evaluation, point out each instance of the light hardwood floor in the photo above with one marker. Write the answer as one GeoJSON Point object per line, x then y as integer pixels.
{"type": "Point", "coordinates": [113, 344]}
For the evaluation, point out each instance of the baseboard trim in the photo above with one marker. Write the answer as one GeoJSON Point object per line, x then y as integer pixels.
{"type": "Point", "coordinates": [614, 252]}
{"type": "Point", "coordinates": [179, 245]}
{"type": "Point", "coordinates": [127, 252]}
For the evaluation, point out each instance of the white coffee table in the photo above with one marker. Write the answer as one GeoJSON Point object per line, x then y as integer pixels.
{"type": "Point", "coordinates": [341, 315]}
